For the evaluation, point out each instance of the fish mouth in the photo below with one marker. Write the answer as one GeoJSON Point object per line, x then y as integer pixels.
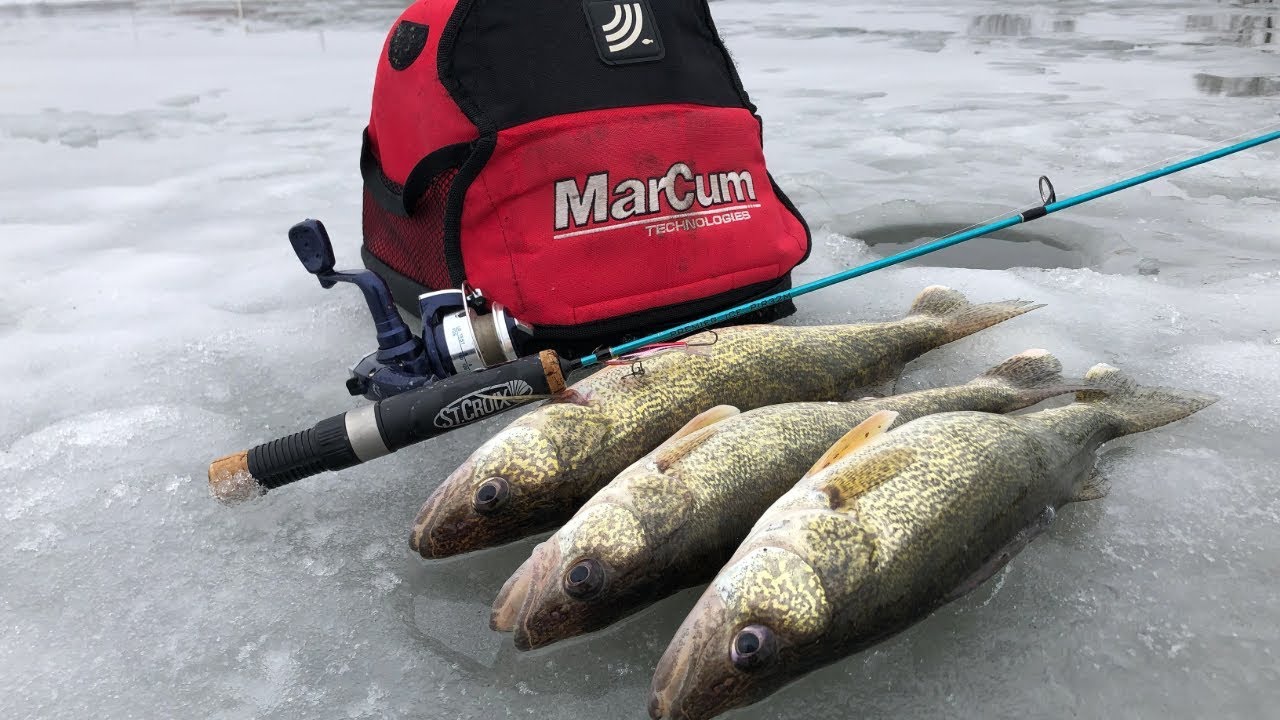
{"type": "Point", "coordinates": [444, 520]}
{"type": "Point", "coordinates": [539, 589]}
{"type": "Point", "coordinates": [505, 614]}
{"type": "Point", "coordinates": [685, 660]}
{"type": "Point", "coordinates": [453, 529]}
{"type": "Point", "coordinates": [420, 537]}
{"type": "Point", "coordinates": [449, 524]}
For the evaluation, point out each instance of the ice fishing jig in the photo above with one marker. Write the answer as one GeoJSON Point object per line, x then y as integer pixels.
{"type": "Point", "coordinates": [448, 378]}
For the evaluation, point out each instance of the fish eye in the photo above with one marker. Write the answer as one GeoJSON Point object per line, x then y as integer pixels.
{"type": "Point", "coordinates": [753, 646]}
{"type": "Point", "coordinates": [491, 495]}
{"type": "Point", "coordinates": [584, 579]}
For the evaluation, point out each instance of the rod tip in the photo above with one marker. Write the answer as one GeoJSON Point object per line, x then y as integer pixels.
{"type": "Point", "coordinates": [230, 480]}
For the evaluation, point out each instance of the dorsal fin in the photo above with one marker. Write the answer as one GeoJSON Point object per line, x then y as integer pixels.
{"type": "Point", "coordinates": [843, 487]}
{"type": "Point", "coordinates": [690, 436]}
{"type": "Point", "coordinates": [864, 433]}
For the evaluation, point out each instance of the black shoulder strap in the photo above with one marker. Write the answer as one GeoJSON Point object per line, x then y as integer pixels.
{"type": "Point", "coordinates": [401, 199]}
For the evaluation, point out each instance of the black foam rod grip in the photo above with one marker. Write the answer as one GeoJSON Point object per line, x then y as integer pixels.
{"type": "Point", "coordinates": [399, 421]}
{"type": "Point", "coordinates": [463, 399]}
{"type": "Point", "coordinates": [303, 454]}
{"type": "Point", "coordinates": [249, 473]}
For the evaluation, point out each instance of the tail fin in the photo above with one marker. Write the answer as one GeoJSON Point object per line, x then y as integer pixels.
{"type": "Point", "coordinates": [1136, 408]}
{"type": "Point", "coordinates": [1033, 375]}
{"type": "Point", "coordinates": [959, 317]}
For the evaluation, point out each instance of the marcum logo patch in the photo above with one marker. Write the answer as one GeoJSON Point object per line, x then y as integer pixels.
{"type": "Point", "coordinates": [481, 404]}
{"type": "Point", "coordinates": [625, 31]}
{"type": "Point", "coordinates": [680, 193]}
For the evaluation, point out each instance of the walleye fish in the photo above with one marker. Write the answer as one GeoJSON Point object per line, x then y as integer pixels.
{"type": "Point", "coordinates": [537, 472]}
{"type": "Point", "coordinates": [672, 520]}
{"type": "Point", "coordinates": [883, 535]}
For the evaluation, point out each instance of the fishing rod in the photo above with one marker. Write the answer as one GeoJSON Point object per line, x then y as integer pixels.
{"type": "Point", "coordinates": [416, 406]}
{"type": "Point", "coordinates": [1051, 205]}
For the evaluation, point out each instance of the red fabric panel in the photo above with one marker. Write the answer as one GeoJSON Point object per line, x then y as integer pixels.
{"type": "Point", "coordinates": [413, 114]}
{"type": "Point", "coordinates": [663, 255]}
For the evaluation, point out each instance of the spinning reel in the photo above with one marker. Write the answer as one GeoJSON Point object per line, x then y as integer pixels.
{"type": "Point", "coordinates": [462, 331]}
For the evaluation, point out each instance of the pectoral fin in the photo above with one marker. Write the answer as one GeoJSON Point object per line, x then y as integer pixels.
{"type": "Point", "coordinates": [876, 390]}
{"type": "Point", "coordinates": [705, 419]}
{"type": "Point", "coordinates": [844, 486]}
{"type": "Point", "coordinates": [1095, 487]}
{"type": "Point", "coordinates": [1091, 479]}
{"type": "Point", "coordinates": [860, 436]}
{"type": "Point", "coordinates": [1003, 555]}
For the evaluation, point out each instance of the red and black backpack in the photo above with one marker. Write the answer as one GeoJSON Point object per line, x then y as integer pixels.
{"type": "Point", "coordinates": [593, 165]}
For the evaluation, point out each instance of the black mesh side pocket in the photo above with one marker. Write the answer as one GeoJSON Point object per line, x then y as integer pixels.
{"type": "Point", "coordinates": [405, 225]}
{"type": "Point", "coordinates": [412, 246]}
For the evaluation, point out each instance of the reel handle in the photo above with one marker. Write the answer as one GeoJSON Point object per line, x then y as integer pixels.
{"type": "Point", "coordinates": [357, 436]}
{"type": "Point", "coordinates": [310, 241]}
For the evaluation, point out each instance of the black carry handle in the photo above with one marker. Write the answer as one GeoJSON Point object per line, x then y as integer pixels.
{"type": "Point", "coordinates": [358, 436]}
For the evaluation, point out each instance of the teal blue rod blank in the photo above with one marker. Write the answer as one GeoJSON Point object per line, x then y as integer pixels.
{"type": "Point", "coordinates": [933, 246]}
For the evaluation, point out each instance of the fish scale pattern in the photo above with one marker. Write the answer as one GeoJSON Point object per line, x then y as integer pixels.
{"type": "Point", "coordinates": [896, 529]}
{"type": "Point", "coordinates": [617, 416]}
{"type": "Point", "coordinates": [689, 503]}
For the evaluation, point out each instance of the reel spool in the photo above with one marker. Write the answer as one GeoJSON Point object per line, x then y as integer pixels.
{"type": "Point", "coordinates": [463, 339]}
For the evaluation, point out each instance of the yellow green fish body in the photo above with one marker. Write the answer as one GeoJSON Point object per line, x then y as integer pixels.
{"type": "Point", "coordinates": [535, 473]}
{"type": "Point", "coordinates": [672, 520]}
{"type": "Point", "coordinates": [876, 541]}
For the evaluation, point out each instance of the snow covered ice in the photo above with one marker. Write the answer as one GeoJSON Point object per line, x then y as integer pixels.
{"type": "Point", "coordinates": [153, 318]}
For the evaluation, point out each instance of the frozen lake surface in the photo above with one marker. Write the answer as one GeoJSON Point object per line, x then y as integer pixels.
{"type": "Point", "coordinates": [153, 317]}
